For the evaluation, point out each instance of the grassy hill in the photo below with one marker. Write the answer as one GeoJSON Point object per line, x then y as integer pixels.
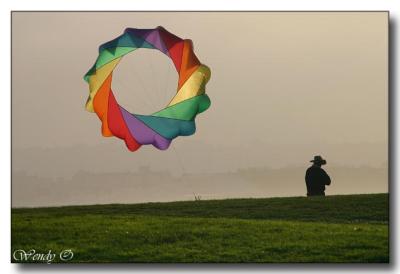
{"type": "Point", "coordinates": [348, 228]}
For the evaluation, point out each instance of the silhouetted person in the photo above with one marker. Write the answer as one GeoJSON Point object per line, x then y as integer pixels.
{"type": "Point", "coordinates": [317, 178]}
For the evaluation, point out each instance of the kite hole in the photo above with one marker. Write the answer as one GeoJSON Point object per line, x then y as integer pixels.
{"type": "Point", "coordinates": [144, 81]}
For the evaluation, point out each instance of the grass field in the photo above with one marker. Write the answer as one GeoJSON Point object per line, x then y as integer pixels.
{"type": "Point", "coordinates": [348, 228]}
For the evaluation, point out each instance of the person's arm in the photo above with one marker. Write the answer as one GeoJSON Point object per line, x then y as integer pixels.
{"type": "Point", "coordinates": [308, 189]}
{"type": "Point", "coordinates": [327, 179]}
{"type": "Point", "coordinates": [307, 183]}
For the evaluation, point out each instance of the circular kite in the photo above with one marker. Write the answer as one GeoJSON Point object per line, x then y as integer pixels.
{"type": "Point", "coordinates": [161, 127]}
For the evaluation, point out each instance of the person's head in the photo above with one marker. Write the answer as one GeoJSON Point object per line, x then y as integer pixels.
{"type": "Point", "coordinates": [318, 161]}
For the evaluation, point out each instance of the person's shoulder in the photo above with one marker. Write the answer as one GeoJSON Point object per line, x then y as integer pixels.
{"type": "Point", "coordinates": [323, 170]}
{"type": "Point", "coordinates": [310, 168]}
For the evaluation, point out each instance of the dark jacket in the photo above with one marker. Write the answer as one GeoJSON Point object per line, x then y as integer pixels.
{"type": "Point", "coordinates": [316, 179]}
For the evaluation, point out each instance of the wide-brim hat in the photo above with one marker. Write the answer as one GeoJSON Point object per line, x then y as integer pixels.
{"type": "Point", "coordinates": [319, 160]}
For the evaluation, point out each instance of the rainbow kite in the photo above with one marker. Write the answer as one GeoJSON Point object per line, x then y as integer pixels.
{"type": "Point", "coordinates": [161, 127]}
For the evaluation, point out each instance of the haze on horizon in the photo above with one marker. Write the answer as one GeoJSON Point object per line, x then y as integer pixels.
{"type": "Point", "coordinates": [285, 86]}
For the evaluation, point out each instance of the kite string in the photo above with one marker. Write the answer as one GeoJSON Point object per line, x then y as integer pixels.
{"type": "Point", "coordinates": [179, 159]}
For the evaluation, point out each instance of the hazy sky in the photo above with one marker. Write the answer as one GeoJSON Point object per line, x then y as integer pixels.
{"type": "Point", "coordinates": [284, 87]}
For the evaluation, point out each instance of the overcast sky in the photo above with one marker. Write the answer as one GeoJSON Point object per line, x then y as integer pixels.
{"type": "Point", "coordinates": [284, 87]}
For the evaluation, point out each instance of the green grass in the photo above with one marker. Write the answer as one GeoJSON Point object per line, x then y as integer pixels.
{"type": "Point", "coordinates": [348, 228]}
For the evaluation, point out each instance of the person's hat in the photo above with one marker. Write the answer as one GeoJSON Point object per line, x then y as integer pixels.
{"type": "Point", "coordinates": [318, 160]}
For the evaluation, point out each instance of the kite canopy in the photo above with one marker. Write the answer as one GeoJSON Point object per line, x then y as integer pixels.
{"type": "Point", "coordinates": [161, 127]}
